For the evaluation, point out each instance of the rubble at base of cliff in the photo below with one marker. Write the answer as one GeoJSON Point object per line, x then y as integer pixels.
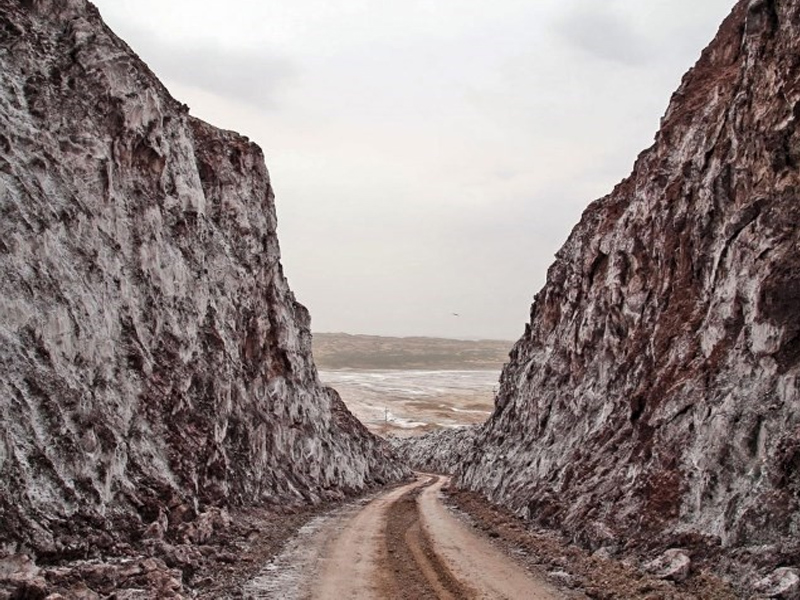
{"type": "Point", "coordinates": [599, 574]}
{"type": "Point", "coordinates": [223, 551]}
{"type": "Point", "coordinates": [599, 563]}
{"type": "Point", "coordinates": [653, 401]}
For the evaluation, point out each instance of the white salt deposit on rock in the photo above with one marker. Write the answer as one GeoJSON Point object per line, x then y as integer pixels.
{"type": "Point", "coordinates": [155, 364]}
{"type": "Point", "coordinates": [783, 583]}
{"type": "Point", "coordinates": [656, 388]}
{"type": "Point", "coordinates": [674, 564]}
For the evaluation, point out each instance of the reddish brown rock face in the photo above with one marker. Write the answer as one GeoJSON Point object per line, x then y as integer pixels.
{"type": "Point", "coordinates": [154, 361]}
{"type": "Point", "coordinates": [654, 396]}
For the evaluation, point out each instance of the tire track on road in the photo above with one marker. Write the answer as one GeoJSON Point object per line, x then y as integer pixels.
{"type": "Point", "coordinates": [404, 544]}
{"type": "Point", "coordinates": [410, 566]}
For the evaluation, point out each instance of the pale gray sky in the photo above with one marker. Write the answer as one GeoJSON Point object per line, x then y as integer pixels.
{"type": "Point", "coordinates": [429, 156]}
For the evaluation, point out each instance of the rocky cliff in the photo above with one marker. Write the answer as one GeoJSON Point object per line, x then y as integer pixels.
{"type": "Point", "coordinates": [438, 451]}
{"type": "Point", "coordinates": [654, 398]}
{"type": "Point", "coordinates": [155, 364]}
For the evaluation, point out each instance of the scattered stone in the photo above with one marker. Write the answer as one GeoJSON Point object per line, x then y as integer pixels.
{"type": "Point", "coordinates": [783, 583]}
{"type": "Point", "coordinates": [674, 565]}
{"type": "Point", "coordinates": [603, 554]}
{"type": "Point", "coordinates": [598, 535]}
{"type": "Point", "coordinates": [155, 531]}
{"type": "Point", "coordinates": [207, 523]}
{"type": "Point", "coordinates": [81, 591]}
{"type": "Point", "coordinates": [548, 552]}
{"type": "Point", "coordinates": [18, 567]}
{"type": "Point", "coordinates": [562, 578]}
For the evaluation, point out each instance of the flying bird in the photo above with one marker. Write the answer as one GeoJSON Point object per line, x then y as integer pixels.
{"type": "Point", "coordinates": [456, 315]}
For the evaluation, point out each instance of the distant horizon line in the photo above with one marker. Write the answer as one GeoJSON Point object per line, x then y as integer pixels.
{"type": "Point", "coordinates": [406, 337]}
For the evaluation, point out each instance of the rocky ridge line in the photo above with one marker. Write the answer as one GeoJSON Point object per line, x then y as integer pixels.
{"type": "Point", "coordinates": [653, 402]}
{"type": "Point", "coordinates": [156, 367]}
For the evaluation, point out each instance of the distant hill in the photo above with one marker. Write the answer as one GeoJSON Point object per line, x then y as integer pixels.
{"type": "Point", "coordinates": [345, 351]}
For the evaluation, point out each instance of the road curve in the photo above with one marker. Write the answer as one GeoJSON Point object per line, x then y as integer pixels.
{"type": "Point", "coordinates": [472, 559]}
{"type": "Point", "coordinates": [352, 563]}
{"type": "Point", "coordinates": [402, 545]}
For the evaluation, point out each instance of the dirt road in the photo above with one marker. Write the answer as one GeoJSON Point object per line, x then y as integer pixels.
{"type": "Point", "coordinates": [403, 544]}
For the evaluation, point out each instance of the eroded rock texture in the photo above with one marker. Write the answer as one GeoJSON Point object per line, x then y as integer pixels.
{"type": "Point", "coordinates": [438, 451]}
{"type": "Point", "coordinates": [653, 398]}
{"type": "Point", "coordinates": [154, 361]}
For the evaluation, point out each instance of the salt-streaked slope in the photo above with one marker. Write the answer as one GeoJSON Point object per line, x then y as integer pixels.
{"type": "Point", "coordinates": [653, 400]}
{"type": "Point", "coordinates": [154, 361]}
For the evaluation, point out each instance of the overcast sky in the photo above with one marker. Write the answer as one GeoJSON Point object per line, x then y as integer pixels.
{"type": "Point", "coordinates": [429, 156]}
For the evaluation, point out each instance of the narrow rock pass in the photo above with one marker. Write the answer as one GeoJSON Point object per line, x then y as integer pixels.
{"type": "Point", "coordinates": [400, 544]}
